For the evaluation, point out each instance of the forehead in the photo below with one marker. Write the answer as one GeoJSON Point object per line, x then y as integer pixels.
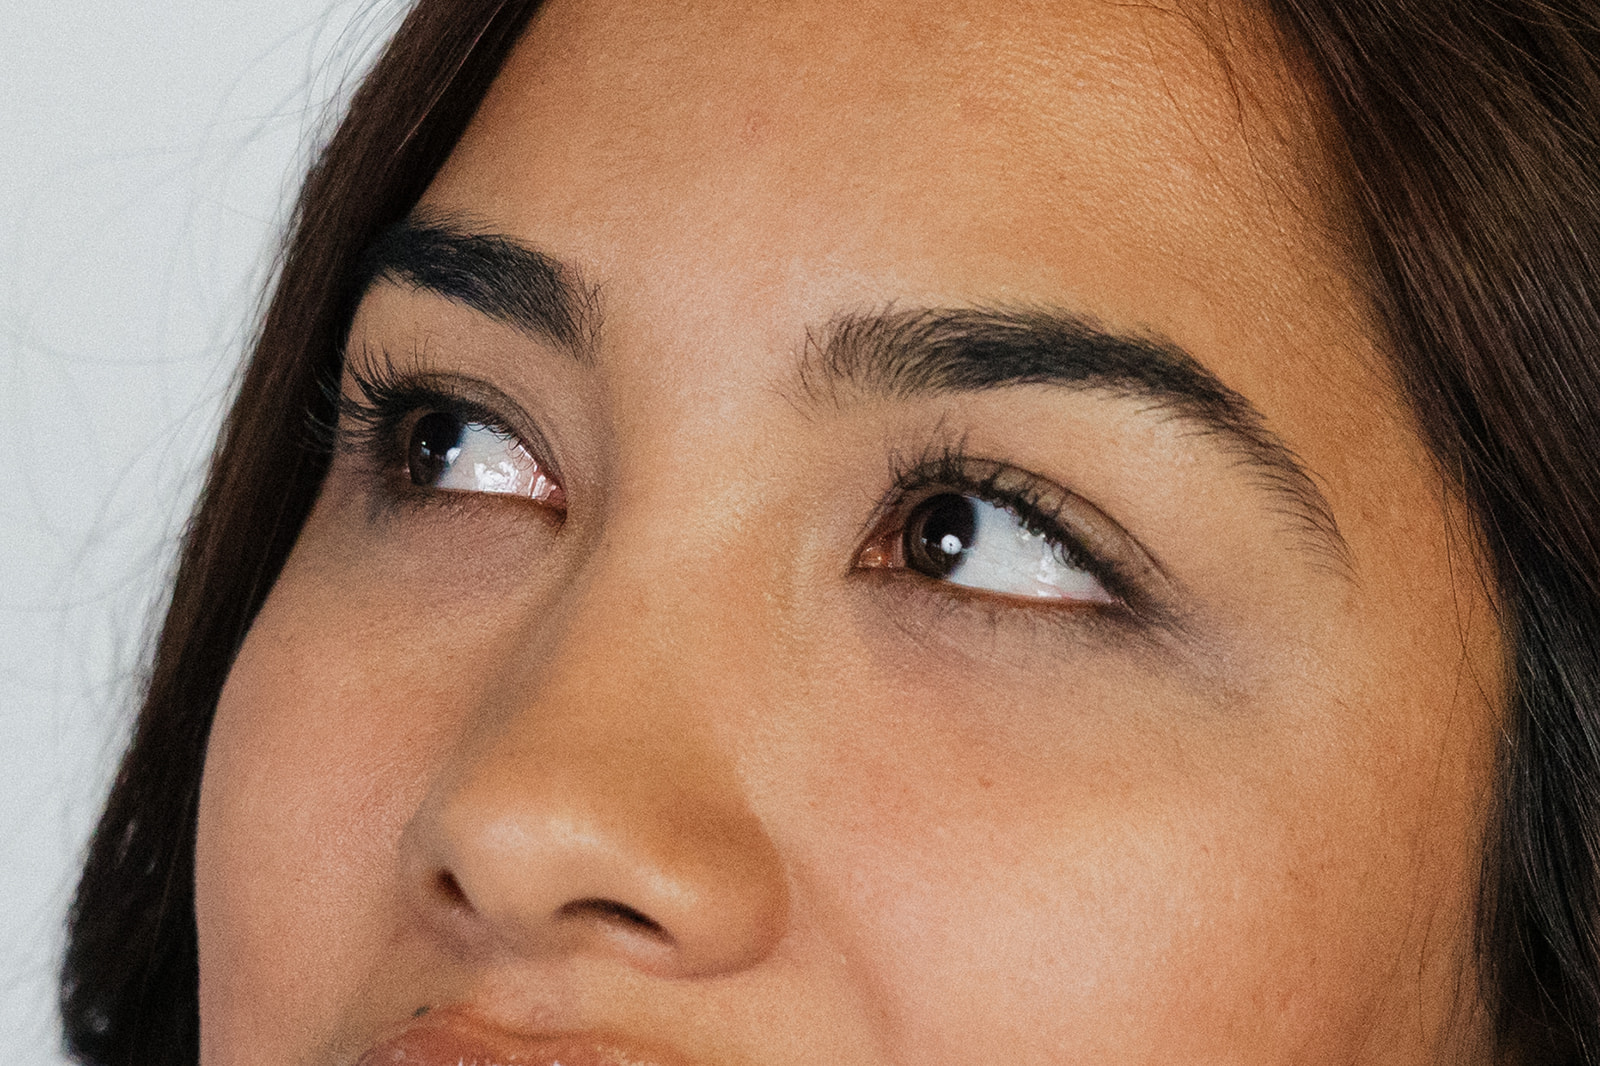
{"type": "Point", "coordinates": [999, 119]}
{"type": "Point", "coordinates": [1134, 163]}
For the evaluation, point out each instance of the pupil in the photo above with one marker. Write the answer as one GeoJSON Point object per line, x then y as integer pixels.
{"type": "Point", "coordinates": [939, 532]}
{"type": "Point", "coordinates": [435, 443]}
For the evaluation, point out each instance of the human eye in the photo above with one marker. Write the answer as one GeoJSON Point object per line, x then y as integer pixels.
{"type": "Point", "coordinates": [997, 530]}
{"type": "Point", "coordinates": [446, 451]}
{"type": "Point", "coordinates": [429, 435]}
{"type": "Point", "coordinates": [978, 544]}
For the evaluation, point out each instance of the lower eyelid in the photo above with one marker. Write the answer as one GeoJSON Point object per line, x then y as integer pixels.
{"type": "Point", "coordinates": [949, 619]}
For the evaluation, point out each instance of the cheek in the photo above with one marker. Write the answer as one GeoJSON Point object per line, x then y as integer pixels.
{"type": "Point", "coordinates": [319, 754]}
{"type": "Point", "coordinates": [1143, 934]}
{"type": "Point", "coordinates": [347, 694]}
{"type": "Point", "coordinates": [1143, 894]}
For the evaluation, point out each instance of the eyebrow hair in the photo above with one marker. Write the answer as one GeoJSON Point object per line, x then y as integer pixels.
{"type": "Point", "coordinates": [497, 276]}
{"type": "Point", "coordinates": [903, 354]}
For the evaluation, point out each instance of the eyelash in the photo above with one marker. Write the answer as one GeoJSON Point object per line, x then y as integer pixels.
{"type": "Point", "coordinates": [369, 424]}
{"type": "Point", "coordinates": [1038, 505]}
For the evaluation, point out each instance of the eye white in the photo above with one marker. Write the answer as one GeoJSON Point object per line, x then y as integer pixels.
{"type": "Point", "coordinates": [1002, 555]}
{"type": "Point", "coordinates": [483, 459]}
{"type": "Point", "coordinates": [487, 461]}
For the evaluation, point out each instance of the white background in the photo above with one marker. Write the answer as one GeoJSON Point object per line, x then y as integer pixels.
{"type": "Point", "coordinates": [146, 150]}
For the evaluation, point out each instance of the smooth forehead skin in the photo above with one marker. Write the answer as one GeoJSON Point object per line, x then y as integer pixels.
{"type": "Point", "coordinates": [876, 831]}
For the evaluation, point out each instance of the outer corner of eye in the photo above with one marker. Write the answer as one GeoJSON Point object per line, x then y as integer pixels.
{"type": "Point", "coordinates": [547, 491]}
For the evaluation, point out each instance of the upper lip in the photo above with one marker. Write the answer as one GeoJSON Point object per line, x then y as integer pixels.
{"type": "Point", "coordinates": [455, 1037]}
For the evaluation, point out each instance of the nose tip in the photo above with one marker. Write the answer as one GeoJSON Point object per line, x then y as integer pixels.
{"type": "Point", "coordinates": [641, 860]}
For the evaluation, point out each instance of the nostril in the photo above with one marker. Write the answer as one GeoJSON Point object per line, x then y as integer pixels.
{"type": "Point", "coordinates": [611, 911]}
{"type": "Point", "coordinates": [449, 890]}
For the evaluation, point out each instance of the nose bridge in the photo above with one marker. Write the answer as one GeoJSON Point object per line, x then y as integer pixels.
{"type": "Point", "coordinates": [668, 612]}
{"type": "Point", "coordinates": [651, 653]}
{"type": "Point", "coordinates": [596, 805]}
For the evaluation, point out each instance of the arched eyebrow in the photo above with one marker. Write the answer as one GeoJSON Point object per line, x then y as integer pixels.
{"type": "Point", "coordinates": [901, 354]}
{"type": "Point", "coordinates": [497, 276]}
{"type": "Point", "coordinates": [897, 354]}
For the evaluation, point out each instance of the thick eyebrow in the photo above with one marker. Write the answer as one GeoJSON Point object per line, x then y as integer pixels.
{"type": "Point", "coordinates": [494, 275]}
{"type": "Point", "coordinates": [904, 354]}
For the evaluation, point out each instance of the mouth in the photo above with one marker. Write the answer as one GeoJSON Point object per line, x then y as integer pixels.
{"type": "Point", "coordinates": [451, 1038]}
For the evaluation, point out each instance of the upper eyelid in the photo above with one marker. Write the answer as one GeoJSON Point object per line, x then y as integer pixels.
{"type": "Point", "coordinates": [954, 469]}
{"type": "Point", "coordinates": [420, 400]}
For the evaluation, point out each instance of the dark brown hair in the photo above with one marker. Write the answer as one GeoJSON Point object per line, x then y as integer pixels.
{"type": "Point", "coordinates": [1471, 135]}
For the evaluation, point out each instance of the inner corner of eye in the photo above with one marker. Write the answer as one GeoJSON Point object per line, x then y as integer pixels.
{"type": "Point", "coordinates": [876, 555]}
{"type": "Point", "coordinates": [883, 547]}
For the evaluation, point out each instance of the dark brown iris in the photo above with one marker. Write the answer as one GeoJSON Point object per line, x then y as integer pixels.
{"type": "Point", "coordinates": [435, 443]}
{"type": "Point", "coordinates": [938, 532]}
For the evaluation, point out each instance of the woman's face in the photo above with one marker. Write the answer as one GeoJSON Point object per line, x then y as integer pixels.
{"type": "Point", "coordinates": [984, 600]}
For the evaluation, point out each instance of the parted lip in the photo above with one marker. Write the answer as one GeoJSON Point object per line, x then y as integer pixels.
{"type": "Point", "coordinates": [451, 1037]}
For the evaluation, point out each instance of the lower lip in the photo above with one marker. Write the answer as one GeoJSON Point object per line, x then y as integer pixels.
{"type": "Point", "coordinates": [447, 1042]}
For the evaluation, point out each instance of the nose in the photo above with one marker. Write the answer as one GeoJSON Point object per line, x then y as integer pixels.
{"type": "Point", "coordinates": [589, 810]}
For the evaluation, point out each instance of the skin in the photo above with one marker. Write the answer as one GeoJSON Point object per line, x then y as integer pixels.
{"type": "Point", "coordinates": [875, 820]}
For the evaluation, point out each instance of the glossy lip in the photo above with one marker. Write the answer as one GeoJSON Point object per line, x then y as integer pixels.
{"type": "Point", "coordinates": [452, 1037]}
